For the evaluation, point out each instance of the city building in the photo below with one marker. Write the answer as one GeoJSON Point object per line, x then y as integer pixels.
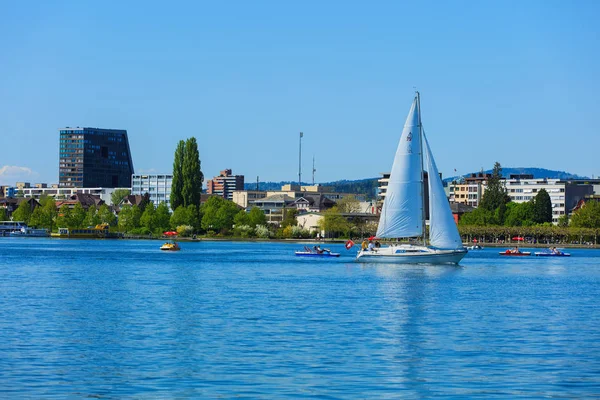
{"type": "Point", "coordinates": [564, 194]}
{"type": "Point", "coordinates": [158, 186]}
{"type": "Point", "coordinates": [243, 198]}
{"type": "Point", "coordinates": [469, 190]}
{"type": "Point", "coordinates": [94, 157]}
{"type": "Point", "coordinates": [225, 184]}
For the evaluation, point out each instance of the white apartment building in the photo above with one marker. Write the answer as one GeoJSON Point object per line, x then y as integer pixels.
{"type": "Point", "coordinates": [564, 194]}
{"type": "Point", "coordinates": [158, 186]}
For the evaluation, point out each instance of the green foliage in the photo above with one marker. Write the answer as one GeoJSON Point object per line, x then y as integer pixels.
{"type": "Point", "coordinates": [192, 175]}
{"type": "Point", "coordinates": [3, 214]}
{"type": "Point", "coordinates": [289, 218]}
{"type": "Point", "coordinates": [587, 216]}
{"type": "Point", "coordinates": [519, 214]}
{"type": "Point", "coordinates": [542, 207]}
{"type": "Point", "coordinates": [163, 217]}
{"type": "Point", "coordinates": [177, 183]}
{"type": "Point", "coordinates": [106, 215]}
{"type": "Point", "coordinates": [44, 217]}
{"type": "Point", "coordinates": [145, 201]}
{"type": "Point", "coordinates": [243, 230]}
{"type": "Point", "coordinates": [185, 230]}
{"type": "Point", "coordinates": [119, 194]}
{"type": "Point", "coordinates": [241, 218]}
{"type": "Point", "coordinates": [64, 217]}
{"type": "Point", "coordinates": [91, 217]}
{"type": "Point", "coordinates": [148, 219]}
{"type": "Point", "coordinates": [256, 217]}
{"type": "Point", "coordinates": [348, 204]}
{"type": "Point", "coordinates": [563, 221]}
{"type": "Point", "coordinates": [495, 193]}
{"type": "Point", "coordinates": [479, 217]}
{"type": "Point", "coordinates": [23, 212]}
{"type": "Point", "coordinates": [262, 231]}
{"type": "Point", "coordinates": [218, 214]}
{"type": "Point", "coordinates": [334, 223]}
{"type": "Point", "coordinates": [77, 216]}
{"type": "Point", "coordinates": [129, 218]}
{"type": "Point", "coordinates": [180, 216]}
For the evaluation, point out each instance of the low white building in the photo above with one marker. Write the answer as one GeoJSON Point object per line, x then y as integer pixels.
{"type": "Point", "coordinates": [58, 193]}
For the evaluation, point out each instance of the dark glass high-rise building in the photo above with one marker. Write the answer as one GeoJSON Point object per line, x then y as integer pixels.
{"type": "Point", "coordinates": [94, 157]}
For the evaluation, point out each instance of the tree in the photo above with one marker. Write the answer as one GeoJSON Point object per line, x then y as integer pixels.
{"type": "Point", "coordinates": [563, 221]}
{"type": "Point", "coordinates": [520, 214]}
{"type": "Point", "coordinates": [542, 207]}
{"type": "Point", "coordinates": [177, 183]}
{"type": "Point", "coordinates": [77, 216]}
{"type": "Point", "coordinates": [218, 214]}
{"type": "Point", "coordinates": [348, 205]}
{"type": "Point", "coordinates": [148, 219]}
{"type": "Point", "coordinates": [241, 218]}
{"type": "Point", "coordinates": [145, 201]}
{"type": "Point", "coordinates": [3, 214]}
{"type": "Point", "coordinates": [91, 217]}
{"type": "Point", "coordinates": [162, 217]}
{"type": "Point", "coordinates": [289, 218]}
{"type": "Point", "coordinates": [119, 194]}
{"type": "Point", "coordinates": [23, 212]}
{"type": "Point", "coordinates": [588, 216]}
{"type": "Point", "coordinates": [256, 216]}
{"type": "Point", "coordinates": [495, 193]}
{"type": "Point", "coordinates": [192, 174]}
{"type": "Point", "coordinates": [106, 215]}
{"type": "Point", "coordinates": [180, 217]}
{"type": "Point", "coordinates": [478, 217]}
{"type": "Point", "coordinates": [64, 216]}
{"type": "Point", "coordinates": [333, 222]}
{"type": "Point", "coordinates": [129, 218]}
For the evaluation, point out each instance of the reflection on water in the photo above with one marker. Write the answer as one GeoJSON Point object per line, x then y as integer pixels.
{"type": "Point", "coordinates": [121, 319]}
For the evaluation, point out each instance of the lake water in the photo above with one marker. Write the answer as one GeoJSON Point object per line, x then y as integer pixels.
{"type": "Point", "coordinates": [120, 319]}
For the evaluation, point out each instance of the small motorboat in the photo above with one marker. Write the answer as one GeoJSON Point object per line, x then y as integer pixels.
{"type": "Point", "coordinates": [475, 247]}
{"type": "Point", "coordinates": [552, 253]}
{"type": "Point", "coordinates": [170, 246]}
{"type": "Point", "coordinates": [515, 253]}
{"type": "Point", "coordinates": [317, 252]}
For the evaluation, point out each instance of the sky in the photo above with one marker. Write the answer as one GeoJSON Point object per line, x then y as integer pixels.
{"type": "Point", "coordinates": [510, 81]}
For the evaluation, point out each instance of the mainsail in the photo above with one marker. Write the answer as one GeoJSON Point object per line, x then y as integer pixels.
{"type": "Point", "coordinates": [402, 212]}
{"type": "Point", "coordinates": [443, 232]}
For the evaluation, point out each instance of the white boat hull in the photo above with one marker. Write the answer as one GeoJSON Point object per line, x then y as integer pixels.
{"type": "Point", "coordinates": [410, 254]}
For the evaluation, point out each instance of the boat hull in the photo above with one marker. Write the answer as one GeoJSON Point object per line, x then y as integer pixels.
{"type": "Point", "coordinates": [552, 255]}
{"type": "Point", "coordinates": [521, 254]}
{"type": "Point", "coordinates": [306, 254]}
{"type": "Point", "coordinates": [407, 254]}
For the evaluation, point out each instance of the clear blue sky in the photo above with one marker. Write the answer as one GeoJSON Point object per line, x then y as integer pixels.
{"type": "Point", "coordinates": [509, 81]}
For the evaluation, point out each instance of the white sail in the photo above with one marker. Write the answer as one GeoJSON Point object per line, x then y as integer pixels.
{"type": "Point", "coordinates": [443, 232]}
{"type": "Point", "coordinates": [402, 212]}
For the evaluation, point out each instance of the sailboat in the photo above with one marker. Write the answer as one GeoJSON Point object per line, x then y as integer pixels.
{"type": "Point", "coordinates": [403, 211]}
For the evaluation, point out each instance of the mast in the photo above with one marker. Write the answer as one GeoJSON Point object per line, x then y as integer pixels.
{"type": "Point", "coordinates": [422, 169]}
{"type": "Point", "coordinates": [300, 160]}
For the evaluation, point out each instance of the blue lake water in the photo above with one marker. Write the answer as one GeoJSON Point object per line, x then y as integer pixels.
{"type": "Point", "coordinates": [120, 319]}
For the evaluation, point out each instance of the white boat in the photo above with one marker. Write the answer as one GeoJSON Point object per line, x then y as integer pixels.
{"type": "Point", "coordinates": [30, 232]}
{"type": "Point", "coordinates": [403, 212]}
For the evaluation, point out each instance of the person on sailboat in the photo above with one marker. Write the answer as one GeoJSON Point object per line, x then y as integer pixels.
{"type": "Point", "coordinates": [371, 246]}
{"type": "Point", "coordinates": [364, 245]}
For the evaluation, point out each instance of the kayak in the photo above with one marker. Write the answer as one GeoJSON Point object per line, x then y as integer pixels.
{"type": "Point", "coordinates": [548, 254]}
{"type": "Point", "coordinates": [313, 254]}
